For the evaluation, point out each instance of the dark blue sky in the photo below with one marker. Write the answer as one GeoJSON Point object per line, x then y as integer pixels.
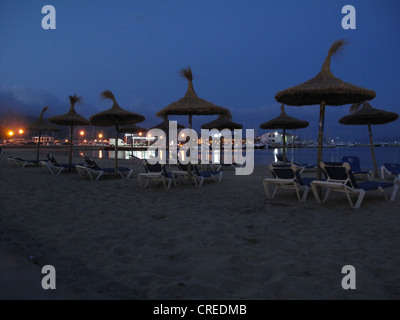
{"type": "Point", "coordinates": [241, 53]}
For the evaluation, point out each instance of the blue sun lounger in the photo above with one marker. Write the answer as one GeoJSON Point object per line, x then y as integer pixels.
{"type": "Point", "coordinates": [340, 178]}
{"type": "Point", "coordinates": [355, 166]}
{"type": "Point", "coordinates": [95, 172]}
{"type": "Point", "coordinates": [287, 176]}
{"type": "Point", "coordinates": [155, 172]}
{"type": "Point", "coordinates": [20, 163]}
{"type": "Point", "coordinates": [390, 169]}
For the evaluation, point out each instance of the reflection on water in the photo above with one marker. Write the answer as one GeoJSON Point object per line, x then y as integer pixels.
{"type": "Point", "coordinates": [266, 156]}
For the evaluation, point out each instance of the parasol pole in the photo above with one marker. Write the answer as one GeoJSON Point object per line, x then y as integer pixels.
{"type": "Point", "coordinates": [189, 168]}
{"type": "Point", "coordinates": [70, 147]}
{"type": "Point", "coordinates": [284, 144]}
{"type": "Point", "coordinates": [116, 148]}
{"type": "Point", "coordinates": [320, 138]}
{"type": "Point", "coordinates": [37, 148]}
{"type": "Point", "coordinates": [371, 143]}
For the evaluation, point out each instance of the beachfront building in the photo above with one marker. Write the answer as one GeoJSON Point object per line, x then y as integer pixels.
{"type": "Point", "coordinates": [276, 138]}
{"type": "Point", "coordinates": [44, 139]}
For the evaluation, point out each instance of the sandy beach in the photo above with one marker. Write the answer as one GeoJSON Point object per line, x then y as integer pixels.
{"type": "Point", "coordinates": [112, 239]}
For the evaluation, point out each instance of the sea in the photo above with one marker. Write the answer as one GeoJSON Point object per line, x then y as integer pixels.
{"type": "Point", "coordinates": [267, 156]}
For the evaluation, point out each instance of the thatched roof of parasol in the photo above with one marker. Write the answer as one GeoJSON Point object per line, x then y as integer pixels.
{"type": "Point", "coordinates": [368, 115]}
{"type": "Point", "coordinates": [283, 121]}
{"type": "Point", "coordinates": [325, 87]}
{"type": "Point", "coordinates": [191, 104]}
{"type": "Point", "coordinates": [222, 122]}
{"type": "Point", "coordinates": [71, 117]}
{"type": "Point", "coordinates": [42, 125]}
{"type": "Point", "coordinates": [164, 125]}
{"type": "Point", "coordinates": [115, 115]}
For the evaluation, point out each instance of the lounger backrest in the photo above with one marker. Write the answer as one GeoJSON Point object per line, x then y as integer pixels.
{"type": "Point", "coordinates": [153, 167]}
{"type": "Point", "coordinates": [340, 171]}
{"type": "Point", "coordinates": [196, 170]}
{"type": "Point", "coordinates": [280, 158]}
{"type": "Point", "coordinates": [52, 159]}
{"type": "Point", "coordinates": [286, 171]}
{"type": "Point", "coordinates": [91, 163]}
{"type": "Point", "coordinates": [393, 167]}
{"type": "Point", "coordinates": [354, 162]}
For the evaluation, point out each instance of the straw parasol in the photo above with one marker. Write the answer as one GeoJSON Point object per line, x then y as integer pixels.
{"type": "Point", "coordinates": [164, 125]}
{"type": "Point", "coordinates": [71, 119]}
{"type": "Point", "coordinates": [191, 104]}
{"type": "Point", "coordinates": [41, 125]}
{"type": "Point", "coordinates": [367, 115]}
{"type": "Point", "coordinates": [222, 122]}
{"type": "Point", "coordinates": [284, 122]}
{"type": "Point", "coordinates": [114, 116]}
{"type": "Point", "coordinates": [324, 89]}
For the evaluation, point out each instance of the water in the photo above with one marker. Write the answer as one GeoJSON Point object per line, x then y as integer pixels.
{"type": "Point", "coordinates": [266, 156]}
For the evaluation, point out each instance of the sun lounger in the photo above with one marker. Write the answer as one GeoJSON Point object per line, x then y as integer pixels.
{"type": "Point", "coordinates": [53, 166]}
{"type": "Point", "coordinates": [20, 163]}
{"type": "Point", "coordinates": [95, 172]}
{"type": "Point", "coordinates": [199, 175]}
{"type": "Point", "coordinates": [390, 169]}
{"type": "Point", "coordinates": [355, 165]}
{"type": "Point", "coordinates": [287, 176]}
{"type": "Point", "coordinates": [155, 172]}
{"type": "Point", "coordinates": [340, 178]}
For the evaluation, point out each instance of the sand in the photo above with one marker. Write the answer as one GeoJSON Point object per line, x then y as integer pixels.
{"type": "Point", "coordinates": [112, 239]}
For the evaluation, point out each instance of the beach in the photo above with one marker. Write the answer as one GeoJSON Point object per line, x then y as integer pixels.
{"type": "Point", "coordinates": [112, 239]}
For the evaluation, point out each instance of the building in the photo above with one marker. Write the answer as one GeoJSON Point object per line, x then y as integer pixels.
{"type": "Point", "coordinates": [44, 139]}
{"type": "Point", "coordinates": [276, 138]}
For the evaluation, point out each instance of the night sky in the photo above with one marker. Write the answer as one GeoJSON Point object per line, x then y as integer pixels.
{"type": "Point", "coordinates": [241, 54]}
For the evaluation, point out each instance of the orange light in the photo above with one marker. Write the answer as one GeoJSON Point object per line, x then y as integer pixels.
{"type": "Point", "coordinates": [140, 134]}
{"type": "Point", "coordinates": [21, 131]}
{"type": "Point", "coordinates": [100, 135]}
{"type": "Point", "coordinates": [82, 133]}
{"type": "Point", "coordinates": [10, 133]}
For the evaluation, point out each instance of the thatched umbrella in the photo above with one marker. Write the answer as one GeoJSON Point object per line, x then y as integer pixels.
{"type": "Point", "coordinates": [114, 116]}
{"type": "Point", "coordinates": [41, 125]}
{"type": "Point", "coordinates": [324, 89]}
{"type": "Point", "coordinates": [164, 126]}
{"type": "Point", "coordinates": [284, 122]}
{"type": "Point", "coordinates": [367, 115]}
{"type": "Point", "coordinates": [71, 119]}
{"type": "Point", "coordinates": [191, 105]}
{"type": "Point", "coordinates": [222, 122]}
